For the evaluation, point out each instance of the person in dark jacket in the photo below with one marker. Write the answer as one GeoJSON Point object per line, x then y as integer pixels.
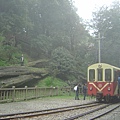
{"type": "Point", "coordinates": [118, 85]}
{"type": "Point", "coordinates": [84, 90]}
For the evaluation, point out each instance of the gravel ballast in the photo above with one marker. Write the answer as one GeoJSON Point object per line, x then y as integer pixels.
{"type": "Point", "coordinates": [46, 103]}
{"type": "Point", "coordinates": [38, 104]}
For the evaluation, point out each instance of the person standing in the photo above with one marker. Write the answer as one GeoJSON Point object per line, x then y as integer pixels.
{"type": "Point", "coordinates": [22, 60]}
{"type": "Point", "coordinates": [84, 90]}
{"type": "Point", "coordinates": [76, 88]}
{"type": "Point", "coordinates": [118, 85]}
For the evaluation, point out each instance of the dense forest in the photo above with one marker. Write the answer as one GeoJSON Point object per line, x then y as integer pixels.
{"type": "Point", "coordinates": [52, 30]}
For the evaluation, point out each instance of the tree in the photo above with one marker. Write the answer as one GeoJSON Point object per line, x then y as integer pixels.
{"type": "Point", "coordinates": [107, 22]}
{"type": "Point", "coordinates": [62, 62]}
{"type": "Point", "coordinates": [40, 28]}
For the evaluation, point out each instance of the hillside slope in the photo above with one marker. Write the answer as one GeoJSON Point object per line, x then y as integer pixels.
{"type": "Point", "coordinates": [22, 75]}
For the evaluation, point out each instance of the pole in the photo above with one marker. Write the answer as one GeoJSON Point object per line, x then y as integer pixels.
{"type": "Point", "coordinates": [99, 49]}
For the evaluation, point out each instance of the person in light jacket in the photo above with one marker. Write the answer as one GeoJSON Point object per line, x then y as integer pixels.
{"type": "Point", "coordinates": [76, 88]}
{"type": "Point", "coordinates": [22, 60]}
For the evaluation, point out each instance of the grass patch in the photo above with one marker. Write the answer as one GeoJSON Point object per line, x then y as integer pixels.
{"type": "Point", "coordinates": [52, 82]}
{"type": "Point", "coordinates": [70, 97]}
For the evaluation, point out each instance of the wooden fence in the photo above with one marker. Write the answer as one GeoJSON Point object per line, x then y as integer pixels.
{"type": "Point", "coordinates": [18, 94]}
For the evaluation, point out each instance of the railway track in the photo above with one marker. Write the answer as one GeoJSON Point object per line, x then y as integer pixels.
{"type": "Point", "coordinates": [87, 116]}
{"type": "Point", "coordinates": [62, 113]}
{"type": "Point", "coordinates": [86, 113]}
{"type": "Point", "coordinates": [46, 112]}
{"type": "Point", "coordinates": [106, 112]}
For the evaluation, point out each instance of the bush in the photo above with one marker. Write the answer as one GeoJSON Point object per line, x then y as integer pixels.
{"type": "Point", "coordinates": [62, 61]}
{"type": "Point", "coordinates": [3, 63]}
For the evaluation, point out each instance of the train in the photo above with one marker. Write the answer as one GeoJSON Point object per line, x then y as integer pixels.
{"type": "Point", "coordinates": [102, 82]}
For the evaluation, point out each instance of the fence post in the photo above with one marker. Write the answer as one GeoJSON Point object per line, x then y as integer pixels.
{"type": "Point", "coordinates": [26, 92]}
{"type": "Point", "coordinates": [13, 95]}
{"type": "Point", "coordinates": [36, 95]}
{"type": "Point", "coordinates": [58, 91]}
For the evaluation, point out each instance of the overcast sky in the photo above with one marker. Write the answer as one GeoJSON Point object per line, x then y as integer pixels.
{"type": "Point", "coordinates": [86, 7]}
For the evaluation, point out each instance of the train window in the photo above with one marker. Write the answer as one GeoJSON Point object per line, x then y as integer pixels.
{"type": "Point", "coordinates": [107, 74]}
{"type": "Point", "coordinates": [91, 75]}
{"type": "Point", "coordinates": [116, 75]}
{"type": "Point", "coordinates": [100, 74]}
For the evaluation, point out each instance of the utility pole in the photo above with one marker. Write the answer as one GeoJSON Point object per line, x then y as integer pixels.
{"type": "Point", "coordinates": [99, 46]}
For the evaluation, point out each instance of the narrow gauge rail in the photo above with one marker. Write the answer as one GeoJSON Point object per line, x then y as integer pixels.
{"type": "Point", "coordinates": [94, 110]}
{"type": "Point", "coordinates": [46, 112]}
{"type": "Point", "coordinates": [105, 113]}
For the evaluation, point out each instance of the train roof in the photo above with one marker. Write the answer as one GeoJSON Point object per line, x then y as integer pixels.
{"type": "Point", "coordinates": [100, 65]}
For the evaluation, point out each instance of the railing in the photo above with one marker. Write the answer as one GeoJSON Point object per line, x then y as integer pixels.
{"type": "Point", "coordinates": [18, 94]}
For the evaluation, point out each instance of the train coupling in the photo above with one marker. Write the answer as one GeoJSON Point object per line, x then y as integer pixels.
{"type": "Point", "coordinates": [99, 95]}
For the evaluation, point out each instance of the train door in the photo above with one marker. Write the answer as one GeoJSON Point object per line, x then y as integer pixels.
{"type": "Point", "coordinates": [117, 81]}
{"type": "Point", "coordinates": [91, 82]}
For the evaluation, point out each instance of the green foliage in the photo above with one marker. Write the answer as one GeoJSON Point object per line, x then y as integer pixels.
{"type": "Point", "coordinates": [8, 54]}
{"type": "Point", "coordinates": [1, 38]}
{"type": "Point", "coordinates": [107, 21]}
{"type": "Point", "coordinates": [42, 43]}
{"type": "Point", "coordinates": [62, 61]}
{"type": "Point", "coordinates": [3, 63]}
{"type": "Point", "coordinates": [43, 29]}
{"type": "Point", "coordinates": [51, 82]}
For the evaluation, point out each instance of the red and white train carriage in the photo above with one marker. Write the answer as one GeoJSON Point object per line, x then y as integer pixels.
{"type": "Point", "coordinates": [103, 81]}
